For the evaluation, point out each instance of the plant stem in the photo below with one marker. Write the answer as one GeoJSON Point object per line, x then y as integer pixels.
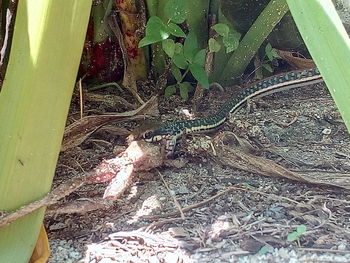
{"type": "Point", "coordinates": [252, 40]}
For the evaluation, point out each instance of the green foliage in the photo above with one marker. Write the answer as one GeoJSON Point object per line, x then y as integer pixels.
{"type": "Point", "coordinates": [180, 61]}
{"type": "Point", "coordinates": [329, 46]}
{"type": "Point", "coordinates": [230, 38]}
{"type": "Point", "coordinates": [176, 10]}
{"type": "Point", "coordinates": [263, 250]}
{"type": "Point", "coordinates": [221, 29]}
{"type": "Point", "coordinates": [190, 46]}
{"type": "Point", "coordinates": [199, 58]}
{"type": "Point", "coordinates": [270, 52]}
{"type": "Point", "coordinates": [33, 111]}
{"type": "Point", "coordinates": [231, 42]}
{"type": "Point", "coordinates": [175, 30]}
{"type": "Point", "coordinates": [199, 74]}
{"type": "Point", "coordinates": [187, 57]}
{"type": "Point", "coordinates": [213, 45]}
{"type": "Point", "coordinates": [270, 55]}
{"type": "Point", "coordinates": [251, 42]}
{"type": "Point", "coordinates": [185, 88]}
{"type": "Point", "coordinates": [301, 229]}
{"type": "Point", "coordinates": [170, 90]}
{"type": "Point", "coordinates": [168, 46]}
{"type": "Point", "coordinates": [99, 14]}
{"type": "Point", "coordinates": [176, 73]}
{"type": "Point", "coordinates": [156, 31]}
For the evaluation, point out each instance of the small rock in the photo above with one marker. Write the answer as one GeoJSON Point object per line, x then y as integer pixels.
{"type": "Point", "coordinates": [178, 232]}
{"type": "Point", "coordinates": [182, 189]}
{"type": "Point", "coordinates": [342, 246]}
{"type": "Point", "coordinates": [326, 131]}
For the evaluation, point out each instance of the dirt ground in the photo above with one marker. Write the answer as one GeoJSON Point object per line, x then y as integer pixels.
{"type": "Point", "coordinates": [228, 214]}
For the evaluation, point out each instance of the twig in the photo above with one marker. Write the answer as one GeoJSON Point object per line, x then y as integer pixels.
{"type": "Point", "coordinates": [172, 195]}
{"type": "Point", "coordinates": [324, 250]}
{"type": "Point", "coordinates": [276, 196]}
{"type": "Point", "coordinates": [153, 226]}
{"type": "Point", "coordinates": [51, 198]}
{"type": "Point", "coordinates": [286, 124]}
{"type": "Point", "coordinates": [81, 102]}
{"type": "Point", "coordinates": [188, 208]}
{"type": "Point", "coordinates": [226, 191]}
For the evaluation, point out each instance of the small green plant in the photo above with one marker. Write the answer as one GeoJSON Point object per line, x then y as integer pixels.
{"type": "Point", "coordinates": [230, 38]}
{"type": "Point", "coordinates": [264, 249]}
{"type": "Point", "coordinates": [294, 236]}
{"type": "Point", "coordinates": [270, 55]}
{"type": "Point", "coordinates": [187, 57]}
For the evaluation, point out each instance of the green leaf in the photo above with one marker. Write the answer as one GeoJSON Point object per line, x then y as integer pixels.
{"type": "Point", "coordinates": [270, 52]}
{"type": "Point", "coordinates": [259, 73]}
{"type": "Point", "coordinates": [190, 46]}
{"type": "Point", "coordinates": [267, 67]}
{"type": "Point", "coordinates": [263, 250]}
{"type": "Point", "coordinates": [221, 29]}
{"type": "Point", "coordinates": [156, 31]}
{"type": "Point", "coordinates": [268, 48]}
{"type": "Point", "coordinates": [169, 91]}
{"type": "Point", "coordinates": [176, 10]}
{"type": "Point", "coordinates": [180, 61]}
{"type": "Point", "coordinates": [231, 41]}
{"type": "Point", "coordinates": [30, 139]}
{"type": "Point", "coordinates": [253, 39]}
{"type": "Point", "coordinates": [199, 58]}
{"type": "Point", "coordinates": [200, 75]}
{"type": "Point", "coordinates": [147, 41]}
{"type": "Point", "coordinates": [101, 29]}
{"type": "Point", "coordinates": [301, 229]}
{"type": "Point", "coordinates": [184, 90]}
{"type": "Point", "coordinates": [178, 48]}
{"type": "Point", "coordinates": [175, 30]}
{"type": "Point", "coordinates": [329, 46]}
{"type": "Point", "coordinates": [214, 46]}
{"type": "Point", "coordinates": [274, 53]}
{"type": "Point", "coordinates": [292, 236]}
{"type": "Point", "coordinates": [176, 72]}
{"type": "Point", "coordinates": [168, 46]}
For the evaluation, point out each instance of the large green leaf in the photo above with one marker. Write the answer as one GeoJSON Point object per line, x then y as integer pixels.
{"type": "Point", "coordinates": [176, 10]}
{"type": "Point", "coordinates": [200, 75]}
{"type": "Point", "coordinates": [156, 31]}
{"type": "Point", "coordinates": [329, 46]}
{"type": "Point", "coordinates": [190, 46]}
{"type": "Point", "coordinates": [168, 46]}
{"type": "Point", "coordinates": [45, 53]}
{"type": "Point", "coordinates": [175, 30]}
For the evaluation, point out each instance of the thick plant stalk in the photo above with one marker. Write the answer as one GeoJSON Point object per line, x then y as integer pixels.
{"type": "Point", "coordinates": [152, 7]}
{"type": "Point", "coordinates": [329, 46]}
{"type": "Point", "coordinates": [34, 100]}
{"type": "Point", "coordinates": [197, 20]}
{"type": "Point", "coordinates": [128, 14]}
{"type": "Point", "coordinates": [252, 40]}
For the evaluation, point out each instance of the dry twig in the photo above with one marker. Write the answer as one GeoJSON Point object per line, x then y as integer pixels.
{"type": "Point", "coordinates": [177, 204]}
{"type": "Point", "coordinates": [190, 207]}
